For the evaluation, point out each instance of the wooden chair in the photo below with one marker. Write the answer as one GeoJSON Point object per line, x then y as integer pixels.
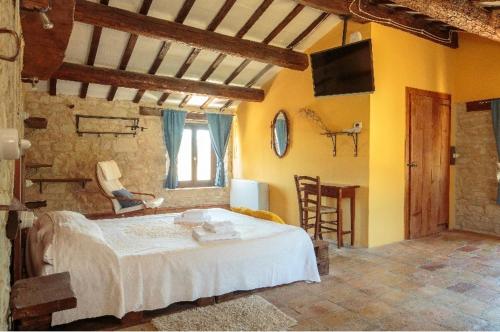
{"type": "Point", "coordinates": [108, 178]}
{"type": "Point", "coordinates": [309, 199]}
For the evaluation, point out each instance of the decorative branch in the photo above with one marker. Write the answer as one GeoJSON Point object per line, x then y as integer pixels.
{"type": "Point", "coordinates": [315, 118]}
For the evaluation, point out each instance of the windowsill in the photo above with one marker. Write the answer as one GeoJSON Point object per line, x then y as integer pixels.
{"type": "Point", "coordinates": [195, 188]}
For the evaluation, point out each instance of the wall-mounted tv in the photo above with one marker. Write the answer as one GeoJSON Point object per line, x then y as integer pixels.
{"type": "Point", "coordinates": [343, 70]}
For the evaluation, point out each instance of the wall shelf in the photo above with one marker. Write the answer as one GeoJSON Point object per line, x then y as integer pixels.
{"type": "Point", "coordinates": [333, 136]}
{"type": "Point", "coordinates": [36, 123]}
{"type": "Point", "coordinates": [34, 165]}
{"type": "Point", "coordinates": [35, 204]}
{"type": "Point", "coordinates": [81, 181]}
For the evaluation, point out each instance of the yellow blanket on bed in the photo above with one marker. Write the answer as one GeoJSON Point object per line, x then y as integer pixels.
{"type": "Point", "coordinates": [266, 215]}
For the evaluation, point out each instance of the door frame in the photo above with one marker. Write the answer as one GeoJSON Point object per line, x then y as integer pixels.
{"type": "Point", "coordinates": [421, 92]}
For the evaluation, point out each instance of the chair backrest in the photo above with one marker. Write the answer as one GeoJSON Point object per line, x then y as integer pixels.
{"type": "Point", "coordinates": [308, 194]}
{"type": "Point", "coordinates": [108, 178]}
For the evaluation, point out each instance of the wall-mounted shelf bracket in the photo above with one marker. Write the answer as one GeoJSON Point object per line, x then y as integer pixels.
{"type": "Point", "coordinates": [333, 137]}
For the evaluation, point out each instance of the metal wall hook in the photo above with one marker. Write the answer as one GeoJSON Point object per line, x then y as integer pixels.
{"type": "Point", "coordinates": [11, 58]}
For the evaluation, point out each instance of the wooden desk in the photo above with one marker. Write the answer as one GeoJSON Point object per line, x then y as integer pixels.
{"type": "Point", "coordinates": [340, 191]}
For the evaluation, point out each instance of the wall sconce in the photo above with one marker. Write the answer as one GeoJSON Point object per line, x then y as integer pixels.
{"type": "Point", "coordinates": [11, 147]}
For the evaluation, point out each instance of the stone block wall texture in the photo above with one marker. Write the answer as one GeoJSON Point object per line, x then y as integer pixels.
{"type": "Point", "coordinates": [142, 159]}
{"type": "Point", "coordinates": [476, 173]}
{"type": "Point", "coordinates": [10, 106]}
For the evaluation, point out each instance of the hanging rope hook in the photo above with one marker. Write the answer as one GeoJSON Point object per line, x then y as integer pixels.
{"type": "Point", "coordinates": [18, 45]}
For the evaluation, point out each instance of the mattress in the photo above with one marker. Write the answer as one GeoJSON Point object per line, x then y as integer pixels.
{"type": "Point", "coordinates": [148, 262]}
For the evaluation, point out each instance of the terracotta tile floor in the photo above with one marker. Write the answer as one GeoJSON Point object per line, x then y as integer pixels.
{"type": "Point", "coordinates": [446, 282]}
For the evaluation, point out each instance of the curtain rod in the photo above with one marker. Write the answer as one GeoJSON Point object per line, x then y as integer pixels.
{"type": "Point", "coordinates": [156, 111]}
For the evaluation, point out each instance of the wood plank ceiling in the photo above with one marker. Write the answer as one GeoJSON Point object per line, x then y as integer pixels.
{"type": "Point", "coordinates": [214, 53]}
{"type": "Point", "coordinates": [97, 53]}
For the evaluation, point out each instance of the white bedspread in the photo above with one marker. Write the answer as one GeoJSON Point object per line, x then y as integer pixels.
{"type": "Point", "coordinates": [148, 262]}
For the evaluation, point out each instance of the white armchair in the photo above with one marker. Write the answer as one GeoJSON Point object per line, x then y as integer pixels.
{"type": "Point", "coordinates": [108, 178]}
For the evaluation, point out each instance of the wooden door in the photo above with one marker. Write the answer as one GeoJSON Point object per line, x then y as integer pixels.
{"type": "Point", "coordinates": [428, 162]}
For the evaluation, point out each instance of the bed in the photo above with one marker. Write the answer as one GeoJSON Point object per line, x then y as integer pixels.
{"type": "Point", "coordinates": [142, 263]}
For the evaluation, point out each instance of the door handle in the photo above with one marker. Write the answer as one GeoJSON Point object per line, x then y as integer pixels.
{"type": "Point", "coordinates": [412, 165]}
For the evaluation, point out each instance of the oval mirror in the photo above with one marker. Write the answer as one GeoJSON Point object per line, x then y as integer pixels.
{"type": "Point", "coordinates": [279, 132]}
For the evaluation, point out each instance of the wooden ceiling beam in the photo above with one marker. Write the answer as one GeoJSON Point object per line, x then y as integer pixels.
{"type": "Point", "coordinates": [281, 25]}
{"type": "Point", "coordinates": [120, 78]}
{"type": "Point", "coordinates": [127, 53]}
{"type": "Point", "coordinates": [337, 7]}
{"type": "Point", "coordinates": [461, 14]}
{"type": "Point", "coordinates": [44, 50]}
{"type": "Point", "coordinates": [165, 46]}
{"type": "Point", "coordinates": [303, 35]}
{"type": "Point", "coordinates": [94, 45]}
{"type": "Point", "coordinates": [395, 16]}
{"type": "Point", "coordinates": [226, 7]}
{"type": "Point", "coordinates": [119, 19]}
{"type": "Point", "coordinates": [243, 30]}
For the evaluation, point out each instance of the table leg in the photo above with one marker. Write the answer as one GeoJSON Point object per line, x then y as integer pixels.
{"type": "Point", "coordinates": [352, 203]}
{"type": "Point", "coordinates": [340, 235]}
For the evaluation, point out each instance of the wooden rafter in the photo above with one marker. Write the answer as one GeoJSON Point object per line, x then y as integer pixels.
{"type": "Point", "coordinates": [293, 13]}
{"type": "Point", "coordinates": [306, 32]}
{"type": "Point", "coordinates": [132, 40]}
{"type": "Point", "coordinates": [226, 7]}
{"type": "Point", "coordinates": [461, 14]}
{"type": "Point", "coordinates": [94, 45]}
{"type": "Point", "coordinates": [120, 78]}
{"type": "Point", "coordinates": [44, 49]}
{"type": "Point", "coordinates": [389, 13]}
{"type": "Point", "coordinates": [165, 46]}
{"type": "Point", "coordinates": [240, 34]}
{"type": "Point", "coordinates": [115, 18]}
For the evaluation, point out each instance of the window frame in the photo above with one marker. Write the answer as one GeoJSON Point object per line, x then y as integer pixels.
{"type": "Point", "coordinates": [195, 183]}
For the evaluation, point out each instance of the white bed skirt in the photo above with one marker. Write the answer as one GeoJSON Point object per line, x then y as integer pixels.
{"type": "Point", "coordinates": [146, 263]}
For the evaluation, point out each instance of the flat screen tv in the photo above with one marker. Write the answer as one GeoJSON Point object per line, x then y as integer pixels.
{"type": "Point", "coordinates": [343, 70]}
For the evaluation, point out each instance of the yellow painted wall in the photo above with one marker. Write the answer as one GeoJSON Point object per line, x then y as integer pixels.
{"type": "Point", "coordinates": [477, 69]}
{"type": "Point", "coordinates": [400, 60]}
{"type": "Point", "coordinates": [309, 153]}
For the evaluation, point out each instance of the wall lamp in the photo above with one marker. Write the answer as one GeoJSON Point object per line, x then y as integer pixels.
{"type": "Point", "coordinates": [11, 146]}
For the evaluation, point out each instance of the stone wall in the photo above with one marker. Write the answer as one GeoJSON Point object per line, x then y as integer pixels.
{"type": "Point", "coordinates": [476, 173]}
{"type": "Point", "coordinates": [142, 159]}
{"type": "Point", "coordinates": [10, 105]}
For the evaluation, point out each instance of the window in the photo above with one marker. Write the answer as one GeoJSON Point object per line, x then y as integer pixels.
{"type": "Point", "coordinates": [196, 160]}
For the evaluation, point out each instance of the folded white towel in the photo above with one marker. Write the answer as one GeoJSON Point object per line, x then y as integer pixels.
{"type": "Point", "coordinates": [196, 214]}
{"type": "Point", "coordinates": [202, 235]}
{"type": "Point", "coordinates": [193, 217]}
{"type": "Point", "coordinates": [219, 226]}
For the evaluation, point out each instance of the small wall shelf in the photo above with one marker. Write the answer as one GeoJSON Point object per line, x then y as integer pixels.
{"type": "Point", "coordinates": [36, 123]}
{"type": "Point", "coordinates": [33, 165]}
{"type": "Point", "coordinates": [333, 137]}
{"type": "Point", "coordinates": [81, 181]}
{"type": "Point", "coordinates": [35, 204]}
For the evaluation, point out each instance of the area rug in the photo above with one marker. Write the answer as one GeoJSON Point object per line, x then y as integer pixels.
{"type": "Point", "coordinates": [244, 314]}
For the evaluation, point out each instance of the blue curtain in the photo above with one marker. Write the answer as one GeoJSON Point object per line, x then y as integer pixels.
{"type": "Point", "coordinates": [219, 126]}
{"type": "Point", "coordinates": [173, 126]}
{"type": "Point", "coordinates": [281, 134]}
{"type": "Point", "coordinates": [495, 112]}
